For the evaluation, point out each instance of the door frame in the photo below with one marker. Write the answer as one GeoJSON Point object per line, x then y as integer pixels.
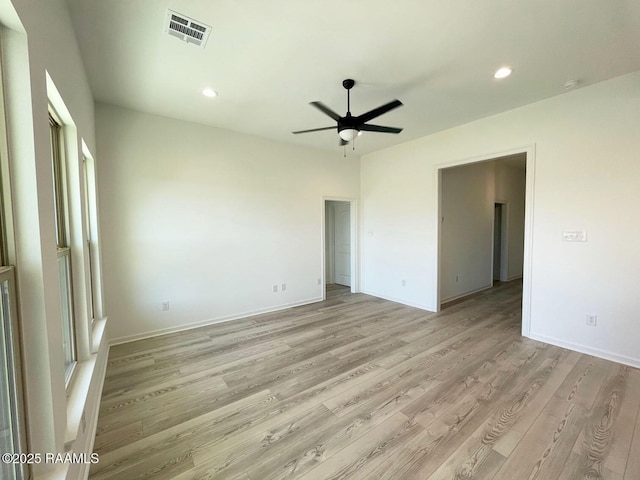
{"type": "Point", "coordinates": [354, 240]}
{"type": "Point", "coordinates": [527, 266]}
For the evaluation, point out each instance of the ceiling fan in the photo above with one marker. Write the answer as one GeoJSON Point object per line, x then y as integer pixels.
{"type": "Point", "coordinates": [349, 126]}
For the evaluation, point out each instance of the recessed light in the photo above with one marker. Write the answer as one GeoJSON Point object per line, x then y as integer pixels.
{"type": "Point", "coordinates": [503, 72]}
{"type": "Point", "coordinates": [209, 92]}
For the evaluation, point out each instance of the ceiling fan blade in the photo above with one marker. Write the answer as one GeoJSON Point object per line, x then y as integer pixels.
{"type": "Point", "coordinates": [315, 130]}
{"type": "Point", "coordinates": [377, 128]}
{"type": "Point", "coordinates": [326, 110]}
{"type": "Point", "coordinates": [376, 112]}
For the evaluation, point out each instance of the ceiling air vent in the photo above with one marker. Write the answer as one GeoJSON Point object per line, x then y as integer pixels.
{"type": "Point", "coordinates": [186, 29]}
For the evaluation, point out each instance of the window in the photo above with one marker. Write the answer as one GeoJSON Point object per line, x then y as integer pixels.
{"type": "Point", "coordinates": [64, 250]}
{"type": "Point", "coordinates": [12, 438]}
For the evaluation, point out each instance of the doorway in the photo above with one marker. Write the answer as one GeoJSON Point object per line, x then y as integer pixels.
{"type": "Point", "coordinates": [484, 228]}
{"type": "Point", "coordinates": [339, 245]}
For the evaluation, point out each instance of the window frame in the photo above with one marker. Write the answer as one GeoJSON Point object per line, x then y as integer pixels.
{"type": "Point", "coordinates": [59, 180]}
{"type": "Point", "coordinates": [88, 179]}
{"type": "Point", "coordinates": [12, 327]}
{"type": "Point", "coordinates": [63, 247]}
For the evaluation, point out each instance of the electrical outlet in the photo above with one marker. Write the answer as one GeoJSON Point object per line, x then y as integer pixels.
{"type": "Point", "coordinates": [319, 281]}
{"type": "Point", "coordinates": [165, 306]}
{"type": "Point", "coordinates": [283, 287]}
{"type": "Point", "coordinates": [275, 289]}
{"type": "Point", "coordinates": [404, 283]}
{"type": "Point", "coordinates": [457, 278]}
{"type": "Point", "coordinates": [592, 320]}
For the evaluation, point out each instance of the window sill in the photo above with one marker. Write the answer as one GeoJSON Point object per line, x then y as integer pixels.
{"type": "Point", "coordinates": [97, 332]}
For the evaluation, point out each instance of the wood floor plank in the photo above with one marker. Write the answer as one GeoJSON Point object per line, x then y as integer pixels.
{"type": "Point", "coordinates": [564, 377]}
{"type": "Point", "coordinates": [357, 387]}
{"type": "Point", "coordinates": [164, 465]}
{"type": "Point", "coordinates": [624, 425]}
{"type": "Point", "coordinates": [594, 443]}
{"type": "Point", "coordinates": [458, 419]}
{"type": "Point", "coordinates": [255, 453]}
{"type": "Point", "coordinates": [475, 457]}
{"type": "Point", "coordinates": [109, 437]}
{"type": "Point", "coordinates": [334, 436]}
{"type": "Point", "coordinates": [633, 461]}
{"type": "Point", "coordinates": [236, 360]}
{"type": "Point", "coordinates": [217, 427]}
{"type": "Point", "coordinates": [282, 412]}
{"type": "Point", "coordinates": [542, 453]}
{"type": "Point", "coordinates": [160, 400]}
{"type": "Point", "coordinates": [348, 461]}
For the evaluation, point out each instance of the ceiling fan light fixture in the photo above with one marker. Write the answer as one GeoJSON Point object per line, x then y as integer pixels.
{"type": "Point", "coordinates": [348, 134]}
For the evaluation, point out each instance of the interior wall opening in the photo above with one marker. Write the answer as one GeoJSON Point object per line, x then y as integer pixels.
{"type": "Point", "coordinates": [482, 225]}
{"type": "Point", "coordinates": [339, 240]}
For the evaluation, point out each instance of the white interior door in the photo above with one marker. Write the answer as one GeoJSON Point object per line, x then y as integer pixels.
{"type": "Point", "coordinates": [342, 244]}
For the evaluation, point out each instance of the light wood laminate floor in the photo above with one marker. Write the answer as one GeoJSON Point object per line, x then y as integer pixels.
{"type": "Point", "coordinates": [362, 388]}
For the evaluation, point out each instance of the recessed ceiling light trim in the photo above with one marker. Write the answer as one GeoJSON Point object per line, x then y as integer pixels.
{"type": "Point", "coordinates": [502, 72]}
{"type": "Point", "coordinates": [186, 29]}
{"type": "Point", "coordinates": [209, 92]}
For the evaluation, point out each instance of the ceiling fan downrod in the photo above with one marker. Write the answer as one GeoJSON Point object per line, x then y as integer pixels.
{"type": "Point", "coordinates": [348, 85]}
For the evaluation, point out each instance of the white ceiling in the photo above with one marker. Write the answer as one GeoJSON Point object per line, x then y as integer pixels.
{"type": "Point", "coordinates": [269, 59]}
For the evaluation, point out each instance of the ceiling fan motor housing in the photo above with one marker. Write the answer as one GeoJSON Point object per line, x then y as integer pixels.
{"type": "Point", "coordinates": [348, 127]}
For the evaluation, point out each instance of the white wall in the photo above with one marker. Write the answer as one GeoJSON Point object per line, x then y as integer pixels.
{"type": "Point", "coordinates": [586, 160]}
{"type": "Point", "coordinates": [510, 189]}
{"type": "Point", "coordinates": [467, 203]}
{"type": "Point", "coordinates": [208, 220]}
{"type": "Point", "coordinates": [38, 40]}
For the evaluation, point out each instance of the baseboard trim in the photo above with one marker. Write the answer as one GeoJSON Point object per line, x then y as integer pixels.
{"type": "Point", "coordinates": [397, 300]}
{"type": "Point", "coordinates": [466, 294]}
{"type": "Point", "coordinates": [212, 321]}
{"type": "Point", "coordinates": [596, 352]}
